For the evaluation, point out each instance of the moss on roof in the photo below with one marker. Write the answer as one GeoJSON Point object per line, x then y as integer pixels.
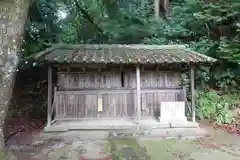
{"type": "Point", "coordinates": [120, 54]}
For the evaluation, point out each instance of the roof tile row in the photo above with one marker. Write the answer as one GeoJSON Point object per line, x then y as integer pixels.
{"type": "Point", "coordinates": [121, 54]}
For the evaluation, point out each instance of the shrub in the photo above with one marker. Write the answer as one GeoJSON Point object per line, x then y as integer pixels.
{"type": "Point", "coordinates": [212, 106]}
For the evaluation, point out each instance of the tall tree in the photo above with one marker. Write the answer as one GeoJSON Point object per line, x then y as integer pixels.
{"type": "Point", "coordinates": [42, 26]}
{"type": "Point", "coordinates": [13, 17]}
{"type": "Point", "coordinates": [209, 27]}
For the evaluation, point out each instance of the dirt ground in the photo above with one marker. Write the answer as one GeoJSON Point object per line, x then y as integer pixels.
{"type": "Point", "coordinates": [85, 146]}
{"type": "Point", "coordinates": [220, 145]}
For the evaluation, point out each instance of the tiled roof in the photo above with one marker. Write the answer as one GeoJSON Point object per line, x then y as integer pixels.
{"type": "Point", "coordinates": [121, 54]}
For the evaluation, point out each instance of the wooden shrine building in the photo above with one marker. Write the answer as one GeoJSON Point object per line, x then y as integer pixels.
{"type": "Point", "coordinates": [119, 86]}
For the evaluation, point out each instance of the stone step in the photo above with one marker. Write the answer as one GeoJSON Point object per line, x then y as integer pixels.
{"type": "Point", "coordinates": [183, 133]}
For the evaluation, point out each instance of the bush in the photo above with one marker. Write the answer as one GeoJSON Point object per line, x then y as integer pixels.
{"type": "Point", "coordinates": [212, 106]}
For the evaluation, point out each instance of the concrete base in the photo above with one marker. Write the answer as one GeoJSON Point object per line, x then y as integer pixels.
{"type": "Point", "coordinates": [152, 124]}
{"type": "Point", "coordinates": [56, 128]}
{"type": "Point", "coordinates": [146, 129]}
{"type": "Point", "coordinates": [173, 120]}
{"type": "Point", "coordinates": [60, 126]}
{"type": "Point", "coordinates": [144, 124]}
{"type": "Point", "coordinates": [184, 125]}
{"type": "Point", "coordinates": [168, 133]}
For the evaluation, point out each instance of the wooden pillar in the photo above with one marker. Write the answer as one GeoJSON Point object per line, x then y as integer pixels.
{"type": "Point", "coordinates": [193, 93]}
{"type": "Point", "coordinates": [49, 115]}
{"type": "Point", "coordinates": [55, 99]}
{"type": "Point", "coordinates": [184, 93]}
{"type": "Point", "coordinates": [185, 100]}
{"type": "Point", "coordinates": [138, 94]}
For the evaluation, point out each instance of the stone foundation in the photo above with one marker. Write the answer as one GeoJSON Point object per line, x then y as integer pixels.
{"type": "Point", "coordinates": [147, 128]}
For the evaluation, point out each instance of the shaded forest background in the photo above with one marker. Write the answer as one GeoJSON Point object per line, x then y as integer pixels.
{"type": "Point", "coordinates": [211, 27]}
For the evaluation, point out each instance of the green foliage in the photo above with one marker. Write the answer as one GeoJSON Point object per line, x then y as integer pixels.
{"type": "Point", "coordinates": [43, 27]}
{"type": "Point", "coordinates": [69, 34]}
{"type": "Point", "coordinates": [212, 106]}
{"type": "Point", "coordinates": [224, 79]}
{"type": "Point", "coordinates": [230, 49]}
{"type": "Point", "coordinates": [193, 22]}
{"type": "Point", "coordinates": [222, 20]}
{"type": "Point", "coordinates": [212, 29]}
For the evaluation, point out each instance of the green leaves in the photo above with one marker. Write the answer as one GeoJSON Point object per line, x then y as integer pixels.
{"type": "Point", "coordinates": [191, 22]}
{"type": "Point", "coordinates": [219, 12]}
{"type": "Point", "coordinates": [212, 106]}
{"type": "Point", "coordinates": [43, 28]}
{"type": "Point", "coordinates": [229, 49]}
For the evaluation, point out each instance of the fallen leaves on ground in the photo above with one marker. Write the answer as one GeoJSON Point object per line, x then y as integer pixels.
{"type": "Point", "coordinates": [230, 128]}
{"type": "Point", "coordinates": [20, 124]}
{"type": "Point", "coordinates": [208, 144]}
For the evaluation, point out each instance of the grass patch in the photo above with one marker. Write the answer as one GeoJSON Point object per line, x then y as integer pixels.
{"type": "Point", "coordinates": [3, 156]}
{"type": "Point", "coordinates": [126, 142]}
{"type": "Point", "coordinates": [125, 148]}
{"type": "Point", "coordinates": [169, 149]}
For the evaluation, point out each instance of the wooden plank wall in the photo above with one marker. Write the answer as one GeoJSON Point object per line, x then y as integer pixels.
{"type": "Point", "coordinates": [150, 101]}
{"type": "Point", "coordinates": [116, 104]}
{"type": "Point", "coordinates": [149, 79]}
{"type": "Point", "coordinates": [90, 80]}
{"type": "Point", "coordinates": [118, 101]}
{"type": "Point", "coordinates": [153, 79]}
{"type": "Point", "coordinates": [79, 104]}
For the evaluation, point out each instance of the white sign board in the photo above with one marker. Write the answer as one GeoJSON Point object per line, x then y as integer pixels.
{"type": "Point", "coordinates": [172, 112]}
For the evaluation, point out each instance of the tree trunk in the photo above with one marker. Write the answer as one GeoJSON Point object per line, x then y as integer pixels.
{"type": "Point", "coordinates": [162, 9]}
{"type": "Point", "coordinates": [13, 14]}
{"type": "Point", "coordinates": [156, 8]}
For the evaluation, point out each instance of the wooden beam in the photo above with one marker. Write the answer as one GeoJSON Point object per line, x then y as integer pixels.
{"type": "Point", "coordinates": [193, 93]}
{"type": "Point", "coordinates": [142, 68]}
{"type": "Point", "coordinates": [138, 94]}
{"type": "Point", "coordinates": [157, 68]}
{"type": "Point", "coordinates": [84, 69]}
{"type": "Point", "coordinates": [121, 67]}
{"type": "Point", "coordinates": [184, 93]}
{"type": "Point", "coordinates": [99, 70]}
{"type": "Point", "coordinates": [93, 91]}
{"type": "Point", "coordinates": [55, 107]}
{"type": "Point", "coordinates": [185, 99]}
{"type": "Point", "coordinates": [68, 69]}
{"type": "Point", "coordinates": [49, 116]}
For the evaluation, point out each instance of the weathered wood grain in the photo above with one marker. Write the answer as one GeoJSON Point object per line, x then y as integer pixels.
{"type": "Point", "coordinates": [114, 79]}
{"type": "Point", "coordinates": [90, 80]}
{"type": "Point", "coordinates": [116, 103]}
{"type": "Point", "coordinates": [153, 79]}
{"type": "Point", "coordinates": [78, 93]}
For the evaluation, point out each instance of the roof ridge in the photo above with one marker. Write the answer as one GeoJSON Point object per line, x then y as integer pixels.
{"type": "Point", "coordinates": [143, 46]}
{"type": "Point", "coordinates": [170, 51]}
{"type": "Point", "coordinates": [109, 46]}
{"type": "Point", "coordinates": [200, 54]}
